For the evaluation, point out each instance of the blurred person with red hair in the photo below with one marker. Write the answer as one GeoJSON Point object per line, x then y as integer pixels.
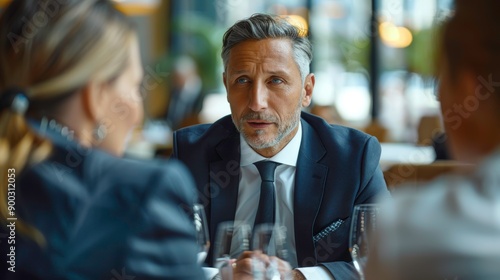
{"type": "Point", "coordinates": [450, 229]}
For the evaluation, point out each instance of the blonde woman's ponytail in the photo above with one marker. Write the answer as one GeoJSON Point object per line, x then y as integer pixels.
{"type": "Point", "coordinates": [19, 146]}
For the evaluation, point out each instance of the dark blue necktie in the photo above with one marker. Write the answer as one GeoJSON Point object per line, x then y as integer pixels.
{"type": "Point", "coordinates": [266, 210]}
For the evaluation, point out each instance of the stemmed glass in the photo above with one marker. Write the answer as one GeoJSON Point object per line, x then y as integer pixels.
{"type": "Point", "coordinates": [232, 239]}
{"type": "Point", "coordinates": [202, 236]}
{"type": "Point", "coordinates": [363, 226]}
{"type": "Point", "coordinates": [270, 240]}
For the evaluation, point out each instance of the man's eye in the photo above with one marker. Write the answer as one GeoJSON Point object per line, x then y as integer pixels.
{"type": "Point", "coordinates": [276, 81]}
{"type": "Point", "coordinates": [241, 80]}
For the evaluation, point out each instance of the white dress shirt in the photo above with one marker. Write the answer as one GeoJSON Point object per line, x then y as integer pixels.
{"type": "Point", "coordinates": [249, 188]}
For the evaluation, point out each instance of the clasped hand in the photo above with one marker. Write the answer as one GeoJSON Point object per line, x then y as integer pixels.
{"type": "Point", "coordinates": [254, 265]}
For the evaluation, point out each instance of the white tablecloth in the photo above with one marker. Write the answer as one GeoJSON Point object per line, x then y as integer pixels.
{"type": "Point", "coordinates": [393, 153]}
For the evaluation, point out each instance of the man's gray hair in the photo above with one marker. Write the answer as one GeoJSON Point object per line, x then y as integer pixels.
{"type": "Point", "coordinates": [262, 26]}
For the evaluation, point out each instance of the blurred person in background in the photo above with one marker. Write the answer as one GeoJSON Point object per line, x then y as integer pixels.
{"type": "Point", "coordinates": [324, 170]}
{"type": "Point", "coordinates": [450, 229]}
{"type": "Point", "coordinates": [70, 74]}
{"type": "Point", "coordinates": [185, 94]}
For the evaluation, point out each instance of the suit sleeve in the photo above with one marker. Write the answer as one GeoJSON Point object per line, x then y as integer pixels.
{"type": "Point", "coordinates": [373, 186]}
{"type": "Point", "coordinates": [165, 245]}
{"type": "Point", "coordinates": [371, 189]}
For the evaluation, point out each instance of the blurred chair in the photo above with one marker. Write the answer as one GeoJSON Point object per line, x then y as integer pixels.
{"type": "Point", "coordinates": [377, 130]}
{"type": "Point", "coordinates": [428, 128]}
{"type": "Point", "coordinates": [163, 151]}
{"type": "Point", "coordinates": [415, 174]}
{"type": "Point", "coordinates": [329, 113]}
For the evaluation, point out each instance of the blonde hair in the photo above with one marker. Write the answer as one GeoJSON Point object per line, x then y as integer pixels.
{"type": "Point", "coordinates": [50, 49]}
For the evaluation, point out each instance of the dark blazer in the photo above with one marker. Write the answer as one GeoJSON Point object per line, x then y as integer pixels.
{"type": "Point", "coordinates": [104, 217]}
{"type": "Point", "coordinates": [337, 168]}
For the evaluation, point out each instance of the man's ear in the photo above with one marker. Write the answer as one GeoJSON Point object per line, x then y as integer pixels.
{"type": "Point", "coordinates": [469, 80]}
{"type": "Point", "coordinates": [224, 81]}
{"type": "Point", "coordinates": [308, 89]}
{"type": "Point", "coordinates": [92, 100]}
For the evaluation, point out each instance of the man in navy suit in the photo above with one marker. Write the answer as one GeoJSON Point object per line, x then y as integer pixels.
{"type": "Point", "coordinates": [324, 170]}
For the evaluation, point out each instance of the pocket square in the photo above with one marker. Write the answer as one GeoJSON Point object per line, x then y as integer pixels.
{"type": "Point", "coordinates": [329, 229]}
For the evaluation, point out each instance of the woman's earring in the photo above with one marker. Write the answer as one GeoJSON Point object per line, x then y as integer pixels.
{"type": "Point", "coordinates": [100, 132]}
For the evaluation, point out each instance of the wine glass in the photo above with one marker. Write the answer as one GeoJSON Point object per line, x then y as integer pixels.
{"type": "Point", "coordinates": [363, 226]}
{"type": "Point", "coordinates": [270, 240]}
{"type": "Point", "coordinates": [202, 236]}
{"type": "Point", "coordinates": [231, 239]}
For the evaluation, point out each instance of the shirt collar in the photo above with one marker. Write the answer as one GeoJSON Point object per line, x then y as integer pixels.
{"type": "Point", "coordinates": [288, 155]}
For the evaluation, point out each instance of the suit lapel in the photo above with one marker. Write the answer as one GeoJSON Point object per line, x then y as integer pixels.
{"type": "Point", "coordinates": [224, 181]}
{"type": "Point", "coordinates": [309, 186]}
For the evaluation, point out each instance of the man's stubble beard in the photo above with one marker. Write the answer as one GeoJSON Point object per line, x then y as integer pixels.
{"type": "Point", "coordinates": [283, 130]}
